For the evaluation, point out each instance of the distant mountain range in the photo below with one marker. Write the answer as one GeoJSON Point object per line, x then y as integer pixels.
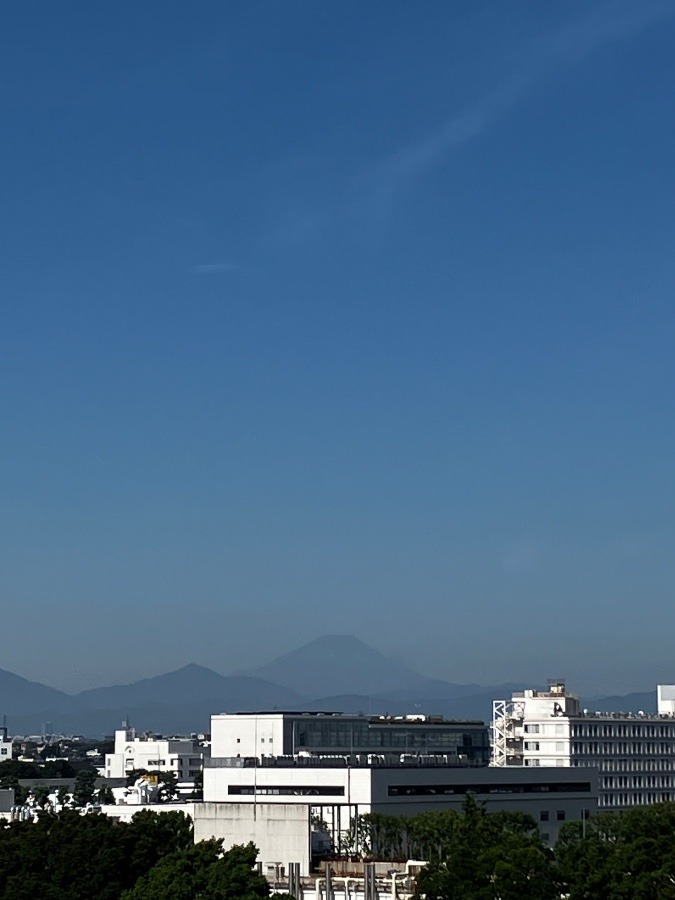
{"type": "Point", "coordinates": [336, 672]}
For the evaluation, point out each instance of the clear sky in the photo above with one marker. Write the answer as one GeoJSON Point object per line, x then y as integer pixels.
{"type": "Point", "coordinates": [338, 317]}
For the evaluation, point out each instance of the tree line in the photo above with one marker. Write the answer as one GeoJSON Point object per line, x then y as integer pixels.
{"type": "Point", "coordinates": [476, 855]}
{"type": "Point", "coordinates": [472, 855]}
{"type": "Point", "coordinates": [69, 856]}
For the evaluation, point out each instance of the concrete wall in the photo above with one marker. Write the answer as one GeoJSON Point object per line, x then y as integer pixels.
{"type": "Point", "coordinates": [247, 735]}
{"type": "Point", "coordinates": [354, 784]}
{"type": "Point", "coordinates": [280, 831]}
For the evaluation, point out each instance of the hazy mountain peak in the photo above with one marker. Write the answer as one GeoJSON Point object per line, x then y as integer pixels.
{"type": "Point", "coordinates": [338, 664]}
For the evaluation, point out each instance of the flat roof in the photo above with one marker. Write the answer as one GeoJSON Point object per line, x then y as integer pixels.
{"type": "Point", "coordinates": [408, 721]}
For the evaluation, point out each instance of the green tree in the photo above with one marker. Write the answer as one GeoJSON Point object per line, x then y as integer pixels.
{"type": "Point", "coordinates": [628, 857]}
{"type": "Point", "coordinates": [483, 856]}
{"type": "Point", "coordinates": [104, 795]}
{"type": "Point", "coordinates": [203, 871]}
{"type": "Point", "coordinates": [41, 796]}
{"type": "Point", "coordinates": [198, 789]}
{"type": "Point", "coordinates": [168, 787]}
{"type": "Point", "coordinates": [74, 857]}
{"type": "Point", "coordinates": [85, 788]}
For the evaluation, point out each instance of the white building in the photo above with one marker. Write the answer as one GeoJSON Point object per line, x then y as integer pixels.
{"type": "Point", "coordinates": [337, 791]}
{"type": "Point", "coordinates": [333, 785]}
{"type": "Point", "coordinates": [183, 756]}
{"type": "Point", "coordinates": [634, 752]}
{"type": "Point", "coordinates": [276, 733]}
{"type": "Point", "coordinates": [5, 744]}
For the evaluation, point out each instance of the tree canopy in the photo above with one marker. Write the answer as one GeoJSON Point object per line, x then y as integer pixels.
{"type": "Point", "coordinates": [74, 857]}
{"type": "Point", "coordinates": [203, 871]}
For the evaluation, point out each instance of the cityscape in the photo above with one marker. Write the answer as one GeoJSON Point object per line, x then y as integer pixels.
{"type": "Point", "coordinates": [337, 554]}
{"type": "Point", "coordinates": [304, 785]}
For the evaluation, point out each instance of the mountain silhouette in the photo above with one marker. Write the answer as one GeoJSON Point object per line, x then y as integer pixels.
{"type": "Point", "coordinates": [338, 673]}
{"type": "Point", "coordinates": [20, 696]}
{"type": "Point", "coordinates": [191, 684]}
{"type": "Point", "coordinates": [338, 664]}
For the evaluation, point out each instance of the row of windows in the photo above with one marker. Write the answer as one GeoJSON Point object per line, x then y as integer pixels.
{"type": "Point", "coordinates": [545, 729]}
{"type": "Point", "coordinates": [286, 791]}
{"type": "Point", "coordinates": [638, 781]}
{"type": "Point", "coordinates": [626, 765]}
{"type": "Point", "coordinates": [612, 729]}
{"type": "Point", "coordinates": [423, 790]}
{"type": "Point", "coordinates": [560, 815]}
{"type": "Point", "coordinates": [365, 737]}
{"type": "Point", "coordinates": [635, 799]}
{"type": "Point", "coordinates": [537, 762]}
{"type": "Point", "coordinates": [559, 746]}
{"type": "Point", "coordinates": [635, 748]}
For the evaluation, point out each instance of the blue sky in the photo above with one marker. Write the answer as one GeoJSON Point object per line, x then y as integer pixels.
{"type": "Point", "coordinates": [338, 317]}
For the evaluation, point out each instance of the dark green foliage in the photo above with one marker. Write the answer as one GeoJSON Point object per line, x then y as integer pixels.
{"type": "Point", "coordinates": [168, 787]}
{"type": "Point", "coordinates": [204, 871]}
{"type": "Point", "coordinates": [74, 857]}
{"type": "Point", "coordinates": [13, 768]}
{"type": "Point", "coordinates": [41, 796]}
{"type": "Point", "coordinates": [482, 856]}
{"type": "Point", "coordinates": [628, 857]}
{"type": "Point", "coordinates": [198, 790]}
{"type": "Point", "coordinates": [85, 788]}
{"type": "Point", "coordinates": [104, 795]}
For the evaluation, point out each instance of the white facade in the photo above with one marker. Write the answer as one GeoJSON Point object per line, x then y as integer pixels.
{"type": "Point", "coordinates": [281, 832]}
{"type": "Point", "coordinates": [635, 752]}
{"type": "Point", "coordinates": [183, 756]}
{"type": "Point", "coordinates": [257, 734]}
{"type": "Point", "coordinates": [665, 696]}
{"type": "Point", "coordinates": [336, 792]}
{"type": "Point", "coordinates": [335, 788]}
{"type": "Point", "coordinates": [5, 747]}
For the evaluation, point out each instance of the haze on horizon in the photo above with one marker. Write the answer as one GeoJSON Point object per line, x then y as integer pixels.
{"type": "Point", "coordinates": [338, 317]}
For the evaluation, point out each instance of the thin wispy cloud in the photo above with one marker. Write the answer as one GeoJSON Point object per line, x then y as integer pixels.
{"type": "Point", "coordinates": [610, 23]}
{"type": "Point", "coordinates": [214, 268]}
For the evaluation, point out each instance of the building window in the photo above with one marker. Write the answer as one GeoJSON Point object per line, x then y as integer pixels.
{"type": "Point", "coordinates": [560, 815]}
{"type": "Point", "coordinates": [287, 791]}
{"type": "Point", "coordinates": [543, 815]}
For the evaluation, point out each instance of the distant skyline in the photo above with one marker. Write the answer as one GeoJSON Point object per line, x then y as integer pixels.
{"type": "Point", "coordinates": [338, 318]}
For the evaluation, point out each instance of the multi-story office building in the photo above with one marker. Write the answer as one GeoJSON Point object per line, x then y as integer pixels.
{"type": "Point", "coordinates": [153, 753]}
{"type": "Point", "coordinates": [338, 767]}
{"type": "Point", "coordinates": [634, 752]}
{"type": "Point", "coordinates": [330, 734]}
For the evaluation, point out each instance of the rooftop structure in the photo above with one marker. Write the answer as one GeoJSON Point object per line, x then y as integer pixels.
{"type": "Point", "coordinates": [634, 751]}
{"type": "Point", "coordinates": [329, 734]}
